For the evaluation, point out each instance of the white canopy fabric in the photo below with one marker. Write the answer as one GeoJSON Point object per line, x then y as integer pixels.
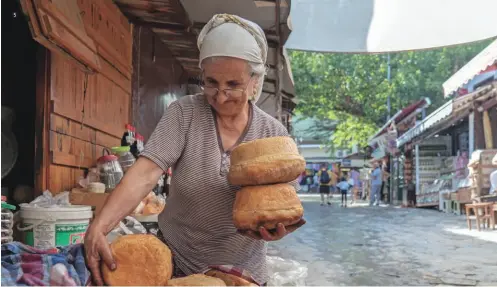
{"type": "Point", "coordinates": [479, 63]}
{"type": "Point", "coordinates": [379, 26]}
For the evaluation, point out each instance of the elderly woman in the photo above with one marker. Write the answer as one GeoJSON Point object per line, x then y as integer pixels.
{"type": "Point", "coordinates": [195, 137]}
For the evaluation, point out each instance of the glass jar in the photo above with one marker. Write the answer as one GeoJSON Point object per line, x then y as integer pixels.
{"type": "Point", "coordinates": [126, 158]}
{"type": "Point", "coordinates": [110, 171]}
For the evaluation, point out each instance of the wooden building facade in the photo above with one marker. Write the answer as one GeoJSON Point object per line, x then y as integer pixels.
{"type": "Point", "coordinates": [101, 64]}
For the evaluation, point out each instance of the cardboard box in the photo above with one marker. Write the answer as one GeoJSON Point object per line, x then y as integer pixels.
{"type": "Point", "coordinates": [82, 197]}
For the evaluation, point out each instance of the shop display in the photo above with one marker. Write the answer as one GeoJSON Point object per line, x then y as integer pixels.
{"type": "Point", "coordinates": [266, 205]}
{"type": "Point", "coordinates": [429, 170]}
{"type": "Point", "coordinates": [126, 158]}
{"type": "Point", "coordinates": [266, 161]}
{"type": "Point", "coordinates": [431, 161]}
{"type": "Point", "coordinates": [110, 171]}
{"type": "Point", "coordinates": [141, 260]}
{"type": "Point", "coordinates": [196, 280]}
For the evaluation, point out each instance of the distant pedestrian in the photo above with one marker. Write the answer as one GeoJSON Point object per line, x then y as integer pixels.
{"type": "Point", "coordinates": [325, 178]}
{"type": "Point", "coordinates": [344, 187]}
{"type": "Point", "coordinates": [411, 194]}
{"type": "Point", "coordinates": [376, 182]}
{"type": "Point", "coordinates": [355, 184]}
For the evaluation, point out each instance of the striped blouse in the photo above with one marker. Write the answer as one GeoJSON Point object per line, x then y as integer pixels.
{"type": "Point", "coordinates": [197, 224]}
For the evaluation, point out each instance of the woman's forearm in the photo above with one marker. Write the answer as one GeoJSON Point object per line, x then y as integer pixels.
{"type": "Point", "coordinates": [139, 180]}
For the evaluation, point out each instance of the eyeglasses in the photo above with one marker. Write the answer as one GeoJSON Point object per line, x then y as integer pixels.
{"type": "Point", "coordinates": [230, 93]}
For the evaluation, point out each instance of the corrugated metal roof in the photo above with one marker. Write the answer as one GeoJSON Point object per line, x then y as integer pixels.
{"type": "Point", "coordinates": [432, 119]}
{"type": "Point", "coordinates": [479, 63]}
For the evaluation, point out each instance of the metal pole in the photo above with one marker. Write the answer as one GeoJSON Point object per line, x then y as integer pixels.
{"type": "Point", "coordinates": [278, 60]}
{"type": "Point", "coordinates": [389, 108]}
{"type": "Point", "coordinates": [388, 78]}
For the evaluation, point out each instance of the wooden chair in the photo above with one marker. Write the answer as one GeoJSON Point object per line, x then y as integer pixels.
{"type": "Point", "coordinates": [484, 213]}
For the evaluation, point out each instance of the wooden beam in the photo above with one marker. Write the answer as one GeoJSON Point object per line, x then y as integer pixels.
{"type": "Point", "coordinates": [493, 123]}
{"type": "Point", "coordinates": [173, 27]}
{"type": "Point", "coordinates": [42, 136]}
{"type": "Point", "coordinates": [487, 131]}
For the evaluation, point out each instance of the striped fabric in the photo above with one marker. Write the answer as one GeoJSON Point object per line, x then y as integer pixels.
{"type": "Point", "coordinates": [197, 223]}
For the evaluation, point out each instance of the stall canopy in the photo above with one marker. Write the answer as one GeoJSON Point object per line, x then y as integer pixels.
{"type": "Point", "coordinates": [448, 114]}
{"type": "Point", "coordinates": [405, 113]}
{"type": "Point", "coordinates": [375, 26]}
{"type": "Point", "coordinates": [477, 65]}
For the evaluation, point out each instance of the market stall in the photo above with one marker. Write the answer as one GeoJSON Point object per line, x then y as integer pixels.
{"type": "Point", "coordinates": [385, 147]}
{"type": "Point", "coordinates": [450, 142]}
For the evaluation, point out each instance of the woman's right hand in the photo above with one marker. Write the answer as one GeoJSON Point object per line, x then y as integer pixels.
{"type": "Point", "coordinates": [96, 250]}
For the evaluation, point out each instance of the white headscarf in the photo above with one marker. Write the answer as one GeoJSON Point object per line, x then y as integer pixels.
{"type": "Point", "coordinates": [232, 36]}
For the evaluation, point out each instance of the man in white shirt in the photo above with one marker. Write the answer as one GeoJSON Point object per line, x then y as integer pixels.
{"type": "Point", "coordinates": [376, 181]}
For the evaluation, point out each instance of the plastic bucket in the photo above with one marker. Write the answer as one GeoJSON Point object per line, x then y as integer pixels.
{"type": "Point", "coordinates": [58, 226]}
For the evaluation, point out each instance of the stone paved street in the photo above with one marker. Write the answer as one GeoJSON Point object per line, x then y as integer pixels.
{"type": "Point", "coordinates": [383, 245]}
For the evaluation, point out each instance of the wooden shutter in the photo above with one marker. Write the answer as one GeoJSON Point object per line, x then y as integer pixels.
{"type": "Point", "coordinates": [93, 33]}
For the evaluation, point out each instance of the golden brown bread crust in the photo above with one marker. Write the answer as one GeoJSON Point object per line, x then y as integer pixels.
{"type": "Point", "coordinates": [265, 161]}
{"type": "Point", "coordinates": [196, 280]}
{"type": "Point", "coordinates": [229, 279]}
{"type": "Point", "coordinates": [141, 259]}
{"type": "Point", "coordinates": [266, 206]}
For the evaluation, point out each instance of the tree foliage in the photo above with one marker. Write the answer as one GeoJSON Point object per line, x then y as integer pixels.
{"type": "Point", "coordinates": [352, 89]}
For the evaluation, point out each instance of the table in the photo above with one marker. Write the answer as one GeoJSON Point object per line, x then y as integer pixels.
{"type": "Point", "coordinates": [487, 216]}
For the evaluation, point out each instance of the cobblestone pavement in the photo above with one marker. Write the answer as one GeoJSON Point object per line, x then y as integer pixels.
{"type": "Point", "coordinates": [363, 245]}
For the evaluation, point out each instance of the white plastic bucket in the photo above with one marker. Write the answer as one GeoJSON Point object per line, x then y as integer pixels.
{"type": "Point", "coordinates": [58, 226]}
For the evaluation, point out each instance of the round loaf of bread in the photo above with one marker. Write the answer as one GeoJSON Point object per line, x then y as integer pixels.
{"type": "Point", "coordinates": [141, 259]}
{"type": "Point", "coordinates": [196, 280]}
{"type": "Point", "coordinates": [266, 205]}
{"type": "Point", "coordinates": [265, 161]}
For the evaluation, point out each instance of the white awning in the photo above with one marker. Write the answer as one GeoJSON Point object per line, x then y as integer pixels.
{"type": "Point", "coordinates": [479, 63]}
{"type": "Point", "coordinates": [377, 26]}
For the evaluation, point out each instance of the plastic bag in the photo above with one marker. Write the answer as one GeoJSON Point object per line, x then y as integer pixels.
{"type": "Point", "coordinates": [285, 272]}
{"type": "Point", "coordinates": [47, 200]}
{"type": "Point", "coordinates": [150, 205]}
{"type": "Point", "coordinates": [128, 225]}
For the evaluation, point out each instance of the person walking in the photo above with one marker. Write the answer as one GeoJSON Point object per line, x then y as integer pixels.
{"type": "Point", "coordinates": [376, 183]}
{"type": "Point", "coordinates": [344, 187]}
{"type": "Point", "coordinates": [354, 181]}
{"type": "Point", "coordinates": [325, 179]}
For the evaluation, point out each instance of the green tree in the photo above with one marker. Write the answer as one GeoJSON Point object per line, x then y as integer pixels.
{"type": "Point", "coordinates": [352, 89]}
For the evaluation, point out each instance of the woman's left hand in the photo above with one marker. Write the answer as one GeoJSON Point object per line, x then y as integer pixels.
{"type": "Point", "coordinates": [280, 232]}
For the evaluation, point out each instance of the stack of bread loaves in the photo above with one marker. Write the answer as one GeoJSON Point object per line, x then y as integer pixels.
{"type": "Point", "coordinates": [264, 168]}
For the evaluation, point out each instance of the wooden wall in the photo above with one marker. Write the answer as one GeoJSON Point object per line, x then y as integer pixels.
{"type": "Point", "coordinates": [158, 80]}
{"type": "Point", "coordinates": [74, 146]}
{"type": "Point", "coordinates": [73, 128]}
